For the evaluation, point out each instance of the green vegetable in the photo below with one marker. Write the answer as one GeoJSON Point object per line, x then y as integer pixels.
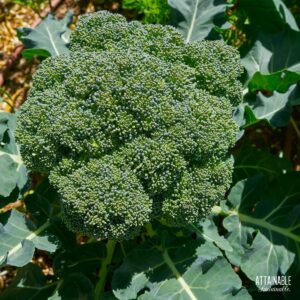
{"type": "Point", "coordinates": [153, 11]}
{"type": "Point", "coordinates": [132, 124]}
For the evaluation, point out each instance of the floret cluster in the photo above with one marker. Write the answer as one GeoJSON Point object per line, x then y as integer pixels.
{"type": "Point", "coordinates": [132, 124]}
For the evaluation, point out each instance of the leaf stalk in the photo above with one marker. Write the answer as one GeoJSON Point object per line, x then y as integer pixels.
{"type": "Point", "coordinates": [99, 290]}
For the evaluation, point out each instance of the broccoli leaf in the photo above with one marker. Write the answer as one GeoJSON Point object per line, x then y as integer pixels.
{"type": "Point", "coordinates": [12, 170]}
{"type": "Point", "coordinates": [74, 286]}
{"type": "Point", "coordinates": [31, 53]}
{"type": "Point", "coordinates": [271, 210]}
{"type": "Point", "coordinates": [278, 14]}
{"type": "Point", "coordinates": [177, 269]}
{"type": "Point", "coordinates": [49, 36]}
{"type": "Point", "coordinates": [273, 63]}
{"type": "Point", "coordinates": [82, 258]}
{"type": "Point", "coordinates": [43, 204]}
{"type": "Point", "coordinates": [249, 161]}
{"type": "Point", "coordinates": [276, 109]}
{"type": "Point", "coordinates": [279, 81]}
{"type": "Point", "coordinates": [196, 19]}
{"type": "Point", "coordinates": [30, 283]}
{"type": "Point", "coordinates": [209, 231]}
{"type": "Point", "coordinates": [19, 237]}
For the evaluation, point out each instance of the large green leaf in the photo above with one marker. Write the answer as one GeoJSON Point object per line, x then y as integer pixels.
{"type": "Point", "coordinates": [239, 238]}
{"type": "Point", "coordinates": [275, 109]}
{"type": "Point", "coordinates": [43, 204]}
{"type": "Point", "coordinates": [30, 283]}
{"type": "Point", "coordinates": [279, 81]}
{"type": "Point", "coordinates": [152, 12]}
{"type": "Point", "coordinates": [12, 173]}
{"type": "Point", "coordinates": [12, 170]}
{"type": "Point", "coordinates": [272, 211]}
{"type": "Point", "coordinates": [19, 237]}
{"type": "Point", "coordinates": [274, 52]}
{"type": "Point", "coordinates": [268, 15]}
{"type": "Point", "coordinates": [249, 161]}
{"type": "Point", "coordinates": [81, 258]}
{"type": "Point", "coordinates": [50, 36]}
{"type": "Point", "coordinates": [196, 19]}
{"type": "Point", "coordinates": [207, 229]}
{"type": "Point", "coordinates": [273, 63]}
{"type": "Point", "coordinates": [74, 286]}
{"type": "Point", "coordinates": [7, 122]}
{"type": "Point", "coordinates": [177, 268]}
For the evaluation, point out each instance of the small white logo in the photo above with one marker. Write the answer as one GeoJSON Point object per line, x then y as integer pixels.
{"type": "Point", "coordinates": [273, 283]}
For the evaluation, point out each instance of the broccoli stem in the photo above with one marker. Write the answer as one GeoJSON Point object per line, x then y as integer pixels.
{"type": "Point", "coordinates": [110, 246]}
{"type": "Point", "coordinates": [149, 229]}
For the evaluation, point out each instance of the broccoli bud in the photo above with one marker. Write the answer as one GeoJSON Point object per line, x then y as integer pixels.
{"type": "Point", "coordinates": [132, 124]}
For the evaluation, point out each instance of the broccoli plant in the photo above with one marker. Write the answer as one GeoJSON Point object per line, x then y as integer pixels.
{"type": "Point", "coordinates": [128, 131]}
{"type": "Point", "coordinates": [133, 125]}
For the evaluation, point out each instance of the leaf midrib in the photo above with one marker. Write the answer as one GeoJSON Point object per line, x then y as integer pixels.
{"type": "Point", "coordinates": [269, 226]}
{"type": "Point", "coordinates": [30, 237]}
{"type": "Point", "coordinates": [178, 276]}
{"type": "Point", "coordinates": [189, 35]}
{"type": "Point", "coordinates": [51, 40]}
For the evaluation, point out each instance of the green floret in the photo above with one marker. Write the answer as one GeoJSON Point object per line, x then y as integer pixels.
{"type": "Point", "coordinates": [197, 191]}
{"type": "Point", "coordinates": [214, 69]}
{"type": "Point", "coordinates": [156, 162]}
{"type": "Point", "coordinates": [132, 124]}
{"type": "Point", "coordinates": [115, 205]}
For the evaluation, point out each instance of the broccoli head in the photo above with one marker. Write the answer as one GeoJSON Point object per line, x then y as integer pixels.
{"type": "Point", "coordinates": [132, 125]}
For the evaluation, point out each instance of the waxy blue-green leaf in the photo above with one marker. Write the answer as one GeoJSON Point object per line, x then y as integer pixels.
{"type": "Point", "coordinates": [30, 283]}
{"type": "Point", "coordinates": [12, 173]}
{"type": "Point", "coordinates": [19, 237]}
{"type": "Point", "coordinates": [179, 269]}
{"type": "Point", "coordinates": [273, 63]}
{"type": "Point", "coordinates": [12, 170]}
{"type": "Point", "coordinates": [276, 109]}
{"type": "Point", "coordinates": [81, 258]}
{"type": "Point", "coordinates": [267, 15]}
{"type": "Point", "coordinates": [196, 19]}
{"type": "Point", "coordinates": [238, 237]}
{"type": "Point", "coordinates": [208, 230]}
{"type": "Point", "coordinates": [43, 204]}
{"type": "Point", "coordinates": [74, 286]}
{"type": "Point", "coordinates": [50, 35]}
{"type": "Point", "coordinates": [249, 161]}
{"type": "Point", "coordinates": [270, 259]}
{"type": "Point", "coordinates": [272, 211]}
